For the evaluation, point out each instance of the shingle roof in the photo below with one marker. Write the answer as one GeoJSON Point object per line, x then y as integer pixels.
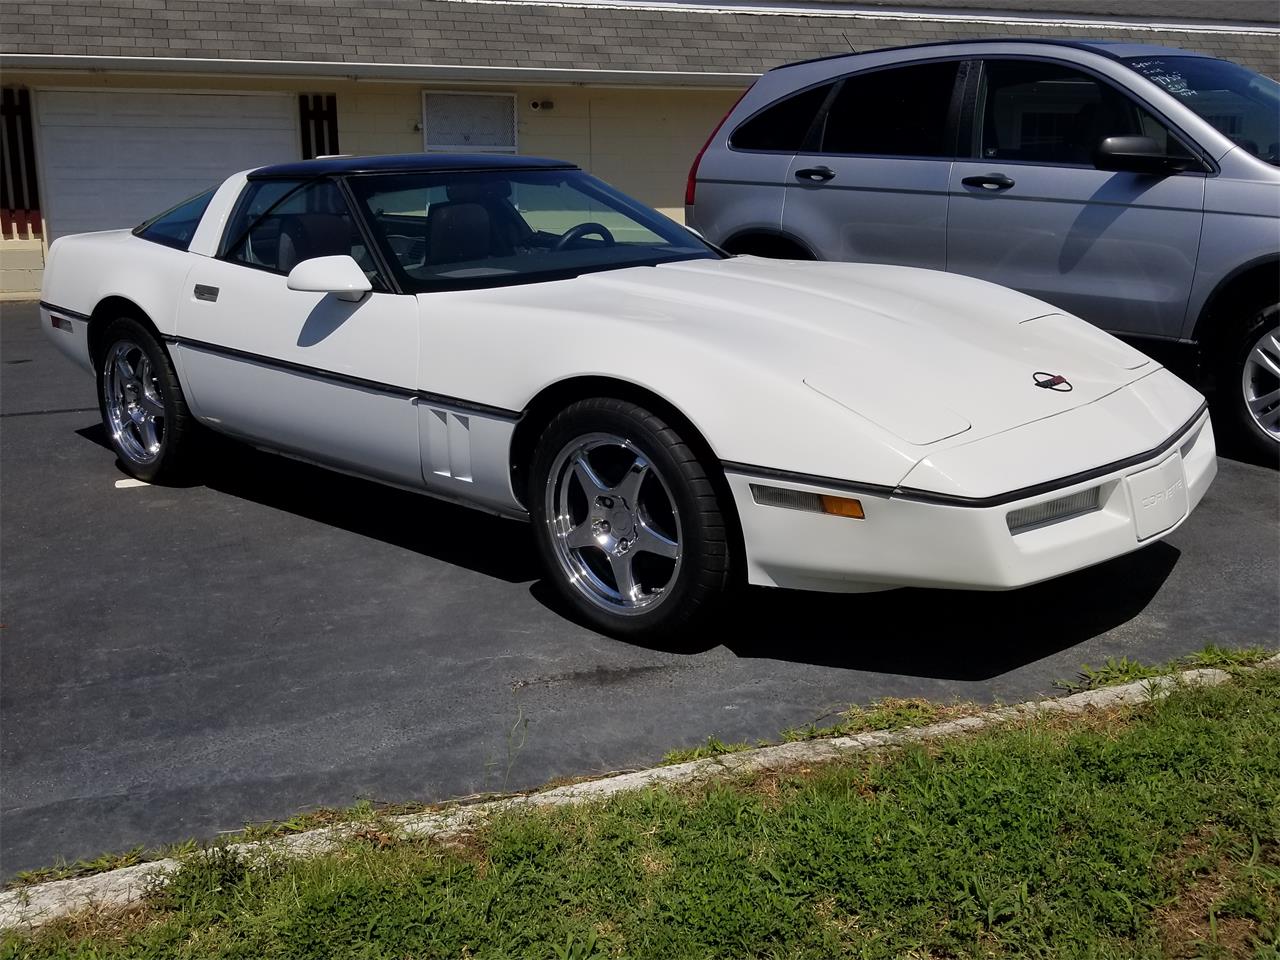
{"type": "Point", "coordinates": [440, 32]}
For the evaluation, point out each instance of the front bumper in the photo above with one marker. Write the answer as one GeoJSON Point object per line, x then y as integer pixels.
{"type": "Point", "coordinates": [69, 332]}
{"type": "Point", "coordinates": [913, 541]}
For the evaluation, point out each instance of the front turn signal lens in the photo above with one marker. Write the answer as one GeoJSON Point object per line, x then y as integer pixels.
{"type": "Point", "coordinates": [842, 507]}
{"type": "Point", "coordinates": [810, 502]}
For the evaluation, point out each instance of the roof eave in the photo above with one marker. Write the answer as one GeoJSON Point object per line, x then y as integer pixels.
{"type": "Point", "coordinates": [389, 72]}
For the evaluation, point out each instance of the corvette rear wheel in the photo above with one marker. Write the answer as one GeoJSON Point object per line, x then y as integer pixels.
{"type": "Point", "coordinates": [627, 521]}
{"type": "Point", "coordinates": [142, 405]}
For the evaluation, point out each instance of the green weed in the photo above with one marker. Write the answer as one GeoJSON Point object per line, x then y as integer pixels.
{"type": "Point", "coordinates": [714, 747]}
{"type": "Point", "coordinates": [1118, 670]}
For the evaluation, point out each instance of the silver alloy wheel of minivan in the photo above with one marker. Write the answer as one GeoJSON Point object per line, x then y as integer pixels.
{"type": "Point", "coordinates": [1260, 382]}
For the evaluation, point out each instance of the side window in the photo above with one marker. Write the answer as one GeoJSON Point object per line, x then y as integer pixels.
{"type": "Point", "coordinates": [176, 226]}
{"type": "Point", "coordinates": [1048, 113]}
{"type": "Point", "coordinates": [900, 112]}
{"type": "Point", "coordinates": [1168, 141]}
{"type": "Point", "coordinates": [782, 127]}
{"type": "Point", "coordinates": [280, 223]}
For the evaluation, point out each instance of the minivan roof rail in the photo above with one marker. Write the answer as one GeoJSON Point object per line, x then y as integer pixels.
{"type": "Point", "coordinates": [1115, 49]}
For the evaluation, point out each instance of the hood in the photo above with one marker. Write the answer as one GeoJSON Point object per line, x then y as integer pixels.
{"type": "Point", "coordinates": [923, 354]}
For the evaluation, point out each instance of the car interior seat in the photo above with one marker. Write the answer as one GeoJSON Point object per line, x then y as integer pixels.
{"type": "Point", "coordinates": [308, 235]}
{"type": "Point", "coordinates": [457, 231]}
{"type": "Point", "coordinates": [507, 229]}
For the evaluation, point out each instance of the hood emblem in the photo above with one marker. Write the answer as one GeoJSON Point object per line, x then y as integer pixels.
{"type": "Point", "coordinates": [1052, 381]}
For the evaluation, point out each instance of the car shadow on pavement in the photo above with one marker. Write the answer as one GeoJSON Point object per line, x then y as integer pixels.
{"type": "Point", "coordinates": [940, 634]}
{"type": "Point", "coordinates": [943, 634]}
{"type": "Point", "coordinates": [950, 634]}
{"type": "Point", "coordinates": [433, 528]}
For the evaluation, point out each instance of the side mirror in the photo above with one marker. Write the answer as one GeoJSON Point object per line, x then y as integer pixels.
{"type": "Point", "coordinates": [1136, 155]}
{"type": "Point", "coordinates": [339, 275]}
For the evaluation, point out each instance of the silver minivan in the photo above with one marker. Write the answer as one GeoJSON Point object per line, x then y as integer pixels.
{"type": "Point", "coordinates": [1137, 187]}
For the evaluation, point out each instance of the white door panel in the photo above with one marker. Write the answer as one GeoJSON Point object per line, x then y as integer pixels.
{"type": "Point", "coordinates": [150, 150]}
{"type": "Point", "coordinates": [308, 373]}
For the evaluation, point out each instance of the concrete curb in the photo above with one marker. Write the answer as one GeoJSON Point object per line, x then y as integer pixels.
{"type": "Point", "coordinates": [120, 889]}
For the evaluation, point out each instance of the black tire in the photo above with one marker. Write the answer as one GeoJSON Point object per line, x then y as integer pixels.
{"type": "Point", "coordinates": [699, 575]}
{"type": "Point", "coordinates": [1258, 320]}
{"type": "Point", "coordinates": [169, 461]}
{"type": "Point", "coordinates": [769, 246]}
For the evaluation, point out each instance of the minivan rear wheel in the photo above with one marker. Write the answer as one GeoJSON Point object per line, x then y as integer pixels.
{"type": "Point", "coordinates": [771, 246]}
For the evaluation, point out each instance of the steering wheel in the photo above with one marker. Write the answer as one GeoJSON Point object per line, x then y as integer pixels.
{"type": "Point", "coordinates": [573, 234]}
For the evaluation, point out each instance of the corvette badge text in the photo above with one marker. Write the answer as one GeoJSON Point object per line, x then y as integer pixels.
{"type": "Point", "coordinates": [1162, 495]}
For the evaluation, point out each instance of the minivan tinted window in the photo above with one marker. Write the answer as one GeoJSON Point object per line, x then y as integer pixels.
{"type": "Point", "coordinates": [783, 126]}
{"type": "Point", "coordinates": [900, 112]}
{"type": "Point", "coordinates": [1049, 113]}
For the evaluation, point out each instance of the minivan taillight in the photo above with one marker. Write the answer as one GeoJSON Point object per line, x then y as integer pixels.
{"type": "Point", "coordinates": [691, 184]}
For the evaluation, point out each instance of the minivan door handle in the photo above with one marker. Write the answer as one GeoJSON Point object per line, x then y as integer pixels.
{"type": "Point", "coordinates": [815, 174]}
{"type": "Point", "coordinates": [989, 181]}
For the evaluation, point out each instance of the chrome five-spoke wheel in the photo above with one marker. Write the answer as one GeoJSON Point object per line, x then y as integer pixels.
{"type": "Point", "coordinates": [134, 402]}
{"type": "Point", "coordinates": [613, 523]}
{"type": "Point", "coordinates": [1260, 382]}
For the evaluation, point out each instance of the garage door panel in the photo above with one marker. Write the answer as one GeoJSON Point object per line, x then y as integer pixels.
{"type": "Point", "coordinates": [165, 110]}
{"type": "Point", "coordinates": [151, 153]}
{"type": "Point", "coordinates": [111, 160]}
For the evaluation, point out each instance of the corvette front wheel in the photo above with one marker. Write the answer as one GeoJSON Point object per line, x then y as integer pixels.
{"type": "Point", "coordinates": [627, 520]}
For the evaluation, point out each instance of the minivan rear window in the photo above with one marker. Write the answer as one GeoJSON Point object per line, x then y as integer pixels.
{"type": "Point", "coordinates": [900, 112]}
{"type": "Point", "coordinates": [783, 126]}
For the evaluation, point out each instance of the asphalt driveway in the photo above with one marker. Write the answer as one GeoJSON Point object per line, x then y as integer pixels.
{"type": "Point", "coordinates": [174, 662]}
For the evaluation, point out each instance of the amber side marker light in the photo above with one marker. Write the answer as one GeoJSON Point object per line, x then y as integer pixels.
{"type": "Point", "coordinates": [842, 507]}
{"type": "Point", "coordinates": [809, 502]}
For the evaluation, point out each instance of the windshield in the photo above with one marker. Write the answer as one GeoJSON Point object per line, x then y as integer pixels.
{"type": "Point", "coordinates": [1241, 104]}
{"type": "Point", "coordinates": [449, 231]}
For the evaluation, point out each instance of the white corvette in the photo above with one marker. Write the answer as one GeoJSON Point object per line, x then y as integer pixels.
{"type": "Point", "coordinates": [517, 336]}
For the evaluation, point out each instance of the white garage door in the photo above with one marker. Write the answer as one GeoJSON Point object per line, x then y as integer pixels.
{"type": "Point", "coordinates": [112, 159]}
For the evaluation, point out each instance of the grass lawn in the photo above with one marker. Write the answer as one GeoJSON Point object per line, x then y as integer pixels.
{"type": "Point", "coordinates": [1146, 832]}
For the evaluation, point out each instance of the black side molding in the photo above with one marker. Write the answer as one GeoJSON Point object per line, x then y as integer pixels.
{"type": "Point", "coordinates": [64, 312]}
{"type": "Point", "coordinates": [422, 396]}
{"type": "Point", "coordinates": [771, 473]}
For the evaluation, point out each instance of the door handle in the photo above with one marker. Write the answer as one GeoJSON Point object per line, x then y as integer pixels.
{"type": "Point", "coordinates": [989, 181]}
{"type": "Point", "coordinates": [815, 174]}
{"type": "Point", "coordinates": [206, 292]}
